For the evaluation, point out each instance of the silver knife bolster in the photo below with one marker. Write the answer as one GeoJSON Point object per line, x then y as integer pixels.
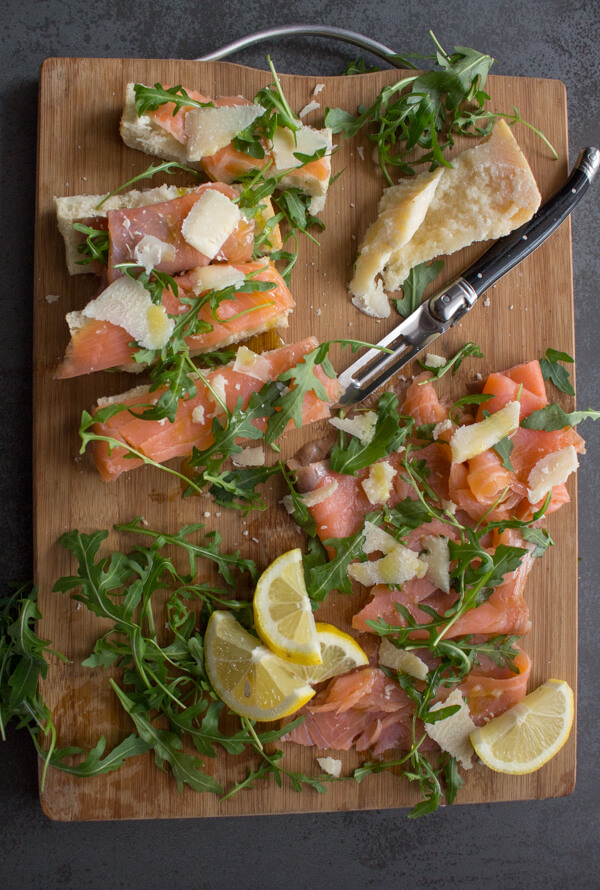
{"type": "Point", "coordinates": [451, 303]}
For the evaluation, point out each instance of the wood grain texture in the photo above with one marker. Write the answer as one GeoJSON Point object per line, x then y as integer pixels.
{"type": "Point", "coordinates": [530, 309]}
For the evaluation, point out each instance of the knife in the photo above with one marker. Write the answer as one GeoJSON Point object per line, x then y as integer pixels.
{"type": "Point", "coordinates": [448, 305]}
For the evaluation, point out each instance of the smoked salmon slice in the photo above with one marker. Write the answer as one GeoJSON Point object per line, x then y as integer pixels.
{"type": "Point", "coordinates": [161, 440]}
{"type": "Point", "coordinates": [127, 227]}
{"type": "Point", "coordinates": [99, 345]}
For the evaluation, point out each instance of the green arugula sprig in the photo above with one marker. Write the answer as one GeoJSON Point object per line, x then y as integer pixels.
{"type": "Point", "coordinates": [95, 247]}
{"type": "Point", "coordinates": [413, 288]}
{"type": "Point", "coordinates": [452, 364]}
{"type": "Point", "coordinates": [426, 110]}
{"type": "Point", "coordinates": [152, 98]}
{"type": "Point", "coordinates": [390, 433]}
{"type": "Point", "coordinates": [151, 171]}
{"type": "Point", "coordinates": [553, 371]}
{"type": "Point", "coordinates": [553, 417]}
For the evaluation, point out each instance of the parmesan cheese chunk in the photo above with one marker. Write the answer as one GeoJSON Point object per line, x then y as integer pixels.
{"type": "Point", "coordinates": [377, 540]}
{"type": "Point", "coordinates": [249, 457]}
{"type": "Point", "coordinates": [312, 498]}
{"type": "Point", "coordinates": [210, 222]}
{"type": "Point", "coordinates": [311, 106]}
{"type": "Point", "coordinates": [551, 470]}
{"type": "Point", "coordinates": [378, 484]}
{"type": "Point", "coordinates": [218, 385]}
{"type": "Point", "coordinates": [437, 559]}
{"type": "Point", "coordinates": [362, 425]}
{"type": "Point", "coordinates": [330, 765]}
{"type": "Point", "coordinates": [469, 441]}
{"type": "Point", "coordinates": [210, 129]}
{"type": "Point", "coordinates": [150, 251]}
{"type": "Point", "coordinates": [216, 277]}
{"type": "Point", "coordinates": [248, 362]}
{"type": "Point", "coordinates": [127, 303]}
{"type": "Point", "coordinates": [452, 733]}
{"type": "Point", "coordinates": [441, 427]}
{"type": "Point", "coordinates": [198, 414]}
{"type": "Point", "coordinates": [401, 660]}
{"type": "Point", "coordinates": [401, 211]}
{"type": "Point", "coordinates": [489, 191]}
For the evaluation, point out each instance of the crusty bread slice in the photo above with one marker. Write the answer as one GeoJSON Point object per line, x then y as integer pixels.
{"type": "Point", "coordinates": [74, 207]}
{"type": "Point", "coordinates": [489, 191]}
{"type": "Point", "coordinates": [145, 135]}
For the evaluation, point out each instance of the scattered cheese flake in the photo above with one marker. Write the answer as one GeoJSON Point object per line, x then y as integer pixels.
{"type": "Point", "coordinates": [311, 106]}
{"type": "Point", "coordinates": [469, 441]}
{"type": "Point", "coordinates": [52, 298]}
{"type": "Point", "coordinates": [128, 304]}
{"type": "Point", "coordinates": [198, 414]}
{"type": "Point", "coordinates": [437, 559]}
{"type": "Point", "coordinates": [330, 765]}
{"type": "Point", "coordinates": [361, 425]}
{"type": "Point", "coordinates": [210, 129]}
{"type": "Point", "coordinates": [377, 540]}
{"type": "Point", "coordinates": [434, 361]}
{"type": "Point", "coordinates": [210, 222]}
{"type": "Point", "coordinates": [150, 252]}
{"type": "Point", "coordinates": [248, 362]}
{"type": "Point", "coordinates": [318, 88]}
{"type": "Point", "coordinates": [216, 277]}
{"type": "Point", "coordinates": [249, 457]}
{"type": "Point", "coordinates": [399, 565]}
{"type": "Point", "coordinates": [401, 660]}
{"type": "Point", "coordinates": [378, 484]}
{"type": "Point", "coordinates": [218, 384]}
{"type": "Point", "coordinates": [449, 506]}
{"type": "Point", "coordinates": [551, 470]}
{"type": "Point", "coordinates": [361, 152]}
{"type": "Point", "coordinates": [318, 495]}
{"type": "Point", "coordinates": [441, 427]}
{"type": "Point", "coordinates": [452, 733]}
{"type": "Point", "coordinates": [288, 503]}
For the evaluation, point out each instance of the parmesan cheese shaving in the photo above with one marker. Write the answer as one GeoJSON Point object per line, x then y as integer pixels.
{"type": "Point", "coordinates": [304, 141]}
{"type": "Point", "coordinates": [441, 427]}
{"type": "Point", "coordinates": [210, 129]}
{"type": "Point", "coordinates": [210, 222]}
{"type": "Point", "coordinates": [311, 106]}
{"type": "Point", "coordinates": [378, 484]}
{"type": "Point", "coordinates": [452, 733]}
{"type": "Point", "coordinates": [249, 457]}
{"type": "Point", "coordinates": [469, 441]}
{"type": "Point", "coordinates": [551, 470]}
{"type": "Point", "coordinates": [437, 559]}
{"type": "Point", "coordinates": [150, 252]}
{"type": "Point", "coordinates": [128, 304]}
{"type": "Point", "coordinates": [312, 498]}
{"type": "Point", "coordinates": [248, 362]}
{"type": "Point", "coordinates": [401, 660]}
{"type": "Point", "coordinates": [330, 765]}
{"type": "Point", "coordinates": [216, 277]}
{"type": "Point", "coordinates": [434, 361]}
{"type": "Point", "coordinates": [399, 565]}
{"type": "Point", "coordinates": [362, 425]}
{"type": "Point", "coordinates": [198, 414]}
{"type": "Point", "coordinates": [377, 540]}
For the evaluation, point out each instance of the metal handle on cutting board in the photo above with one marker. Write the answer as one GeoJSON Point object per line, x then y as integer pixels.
{"type": "Point", "coordinates": [372, 46]}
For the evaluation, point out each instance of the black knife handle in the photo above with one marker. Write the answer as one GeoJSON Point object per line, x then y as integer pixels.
{"type": "Point", "coordinates": [510, 250]}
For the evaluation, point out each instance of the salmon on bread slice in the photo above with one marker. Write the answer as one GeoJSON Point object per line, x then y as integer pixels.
{"type": "Point", "coordinates": [204, 138]}
{"type": "Point", "coordinates": [161, 440]}
{"type": "Point", "coordinates": [98, 344]}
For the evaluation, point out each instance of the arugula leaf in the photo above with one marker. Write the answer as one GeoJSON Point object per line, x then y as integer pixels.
{"type": "Point", "coordinates": [552, 418]}
{"type": "Point", "coordinates": [334, 574]}
{"type": "Point", "coordinates": [95, 247]}
{"type": "Point", "coordinates": [236, 489]}
{"type": "Point", "coordinates": [388, 436]}
{"type": "Point", "coordinates": [148, 173]}
{"type": "Point", "coordinates": [474, 399]}
{"type": "Point", "coordinates": [151, 98]}
{"type": "Point", "coordinates": [95, 763]}
{"type": "Point", "coordinates": [454, 363]}
{"type": "Point", "coordinates": [419, 278]}
{"type": "Point", "coordinates": [540, 537]}
{"type": "Point", "coordinates": [554, 372]}
{"type": "Point", "coordinates": [503, 449]}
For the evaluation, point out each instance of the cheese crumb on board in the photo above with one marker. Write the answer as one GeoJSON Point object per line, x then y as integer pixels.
{"type": "Point", "coordinates": [452, 733]}
{"type": "Point", "coordinates": [128, 304]}
{"type": "Point", "coordinates": [434, 361]}
{"type": "Point", "coordinates": [362, 426]}
{"type": "Point", "coordinates": [469, 441]}
{"type": "Point", "coordinates": [310, 106]}
{"type": "Point", "coordinates": [330, 765]}
{"type": "Point", "coordinates": [210, 222]}
{"type": "Point", "coordinates": [551, 470]}
{"type": "Point", "coordinates": [249, 457]}
{"type": "Point", "coordinates": [378, 484]}
{"type": "Point", "coordinates": [401, 660]}
{"type": "Point", "coordinates": [210, 129]}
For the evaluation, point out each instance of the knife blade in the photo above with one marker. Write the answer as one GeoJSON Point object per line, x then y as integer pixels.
{"type": "Point", "coordinates": [448, 305]}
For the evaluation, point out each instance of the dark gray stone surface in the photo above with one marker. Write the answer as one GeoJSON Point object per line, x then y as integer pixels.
{"type": "Point", "coordinates": [547, 844]}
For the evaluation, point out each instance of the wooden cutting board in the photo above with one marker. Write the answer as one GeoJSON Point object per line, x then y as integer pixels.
{"type": "Point", "coordinates": [530, 309]}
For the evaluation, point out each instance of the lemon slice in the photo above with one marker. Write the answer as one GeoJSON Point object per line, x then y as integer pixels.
{"type": "Point", "coordinates": [526, 736]}
{"type": "Point", "coordinates": [339, 653]}
{"type": "Point", "coordinates": [248, 677]}
{"type": "Point", "coordinates": [282, 612]}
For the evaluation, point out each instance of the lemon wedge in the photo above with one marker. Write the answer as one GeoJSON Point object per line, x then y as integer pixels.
{"type": "Point", "coordinates": [526, 736]}
{"type": "Point", "coordinates": [339, 653]}
{"type": "Point", "coordinates": [247, 676]}
{"type": "Point", "coordinates": [282, 612]}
